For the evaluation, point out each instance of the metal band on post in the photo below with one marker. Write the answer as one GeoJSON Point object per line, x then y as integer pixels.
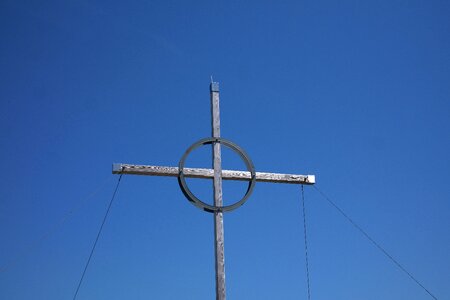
{"type": "Point", "coordinates": [199, 203]}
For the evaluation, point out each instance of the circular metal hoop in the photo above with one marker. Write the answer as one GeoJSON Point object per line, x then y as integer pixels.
{"type": "Point", "coordinates": [199, 203]}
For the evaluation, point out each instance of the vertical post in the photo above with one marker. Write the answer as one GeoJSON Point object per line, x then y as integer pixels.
{"type": "Point", "coordinates": [218, 216]}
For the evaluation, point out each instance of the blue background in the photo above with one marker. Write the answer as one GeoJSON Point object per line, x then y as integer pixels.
{"type": "Point", "coordinates": [354, 92]}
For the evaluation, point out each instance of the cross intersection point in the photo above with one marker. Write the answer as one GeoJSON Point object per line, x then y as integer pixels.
{"type": "Point", "coordinates": [217, 174]}
{"type": "Point", "coordinates": [201, 204]}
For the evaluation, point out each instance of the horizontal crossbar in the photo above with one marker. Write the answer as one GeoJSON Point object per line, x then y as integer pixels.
{"type": "Point", "coordinates": [209, 174]}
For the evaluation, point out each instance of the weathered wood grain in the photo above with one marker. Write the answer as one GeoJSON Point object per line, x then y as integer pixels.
{"type": "Point", "coordinates": [217, 184]}
{"type": "Point", "coordinates": [209, 174]}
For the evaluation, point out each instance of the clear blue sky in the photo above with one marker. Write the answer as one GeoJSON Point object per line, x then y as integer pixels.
{"type": "Point", "coordinates": [355, 92]}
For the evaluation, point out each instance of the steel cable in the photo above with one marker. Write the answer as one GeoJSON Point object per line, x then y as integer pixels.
{"type": "Point", "coordinates": [97, 238]}
{"type": "Point", "coordinates": [306, 242]}
{"type": "Point", "coordinates": [37, 242]}
{"type": "Point", "coordinates": [374, 242]}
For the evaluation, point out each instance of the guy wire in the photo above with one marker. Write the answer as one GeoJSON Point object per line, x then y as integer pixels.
{"type": "Point", "coordinates": [98, 236]}
{"type": "Point", "coordinates": [306, 242]}
{"type": "Point", "coordinates": [374, 242]}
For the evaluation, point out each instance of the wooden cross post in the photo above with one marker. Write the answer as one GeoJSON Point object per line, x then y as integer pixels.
{"type": "Point", "coordinates": [217, 185]}
{"type": "Point", "coordinates": [217, 174]}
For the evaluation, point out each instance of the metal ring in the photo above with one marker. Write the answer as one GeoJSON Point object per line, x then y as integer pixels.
{"type": "Point", "coordinates": [196, 201]}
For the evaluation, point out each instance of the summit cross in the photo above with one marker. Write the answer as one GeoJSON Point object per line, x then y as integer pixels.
{"type": "Point", "coordinates": [217, 174]}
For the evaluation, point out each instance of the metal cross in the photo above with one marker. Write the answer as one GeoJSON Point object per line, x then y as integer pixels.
{"type": "Point", "coordinates": [217, 174]}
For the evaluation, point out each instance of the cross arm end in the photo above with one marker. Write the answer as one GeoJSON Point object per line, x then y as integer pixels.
{"type": "Point", "coordinates": [117, 168]}
{"type": "Point", "coordinates": [311, 179]}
